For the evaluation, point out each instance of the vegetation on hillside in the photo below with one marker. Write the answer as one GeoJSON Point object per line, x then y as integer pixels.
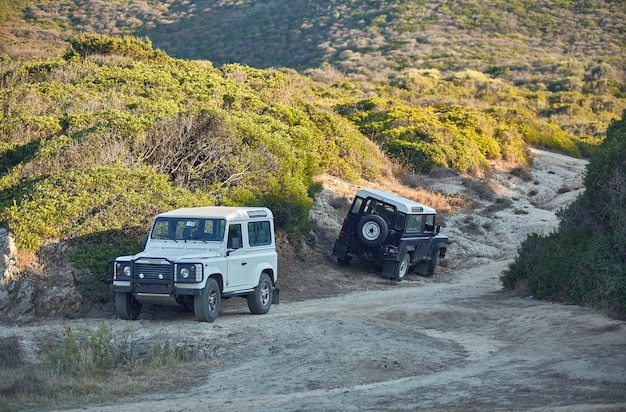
{"type": "Point", "coordinates": [584, 262]}
{"type": "Point", "coordinates": [98, 140]}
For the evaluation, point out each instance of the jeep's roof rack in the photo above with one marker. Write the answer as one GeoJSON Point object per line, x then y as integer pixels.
{"type": "Point", "coordinates": [403, 205]}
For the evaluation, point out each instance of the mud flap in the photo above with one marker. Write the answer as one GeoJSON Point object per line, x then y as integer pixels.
{"type": "Point", "coordinates": [390, 268]}
{"type": "Point", "coordinates": [340, 249]}
{"type": "Point", "coordinates": [275, 296]}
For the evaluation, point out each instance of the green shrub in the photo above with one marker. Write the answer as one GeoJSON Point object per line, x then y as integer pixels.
{"type": "Point", "coordinates": [585, 261]}
{"type": "Point", "coordinates": [86, 44]}
{"type": "Point", "coordinates": [88, 200]}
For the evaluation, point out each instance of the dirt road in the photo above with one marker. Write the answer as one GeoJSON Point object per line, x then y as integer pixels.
{"type": "Point", "coordinates": [458, 343]}
{"type": "Point", "coordinates": [454, 341]}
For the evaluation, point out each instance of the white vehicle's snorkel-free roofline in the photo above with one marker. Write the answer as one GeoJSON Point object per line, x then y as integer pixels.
{"type": "Point", "coordinates": [226, 213]}
{"type": "Point", "coordinates": [403, 205]}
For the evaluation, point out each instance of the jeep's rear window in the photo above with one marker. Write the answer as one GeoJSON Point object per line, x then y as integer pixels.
{"type": "Point", "coordinates": [188, 229]}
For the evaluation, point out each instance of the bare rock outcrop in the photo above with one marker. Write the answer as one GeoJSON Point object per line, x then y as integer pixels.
{"type": "Point", "coordinates": [33, 288]}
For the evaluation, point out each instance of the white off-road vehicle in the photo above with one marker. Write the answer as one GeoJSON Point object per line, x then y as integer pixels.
{"type": "Point", "coordinates": [194, 257]}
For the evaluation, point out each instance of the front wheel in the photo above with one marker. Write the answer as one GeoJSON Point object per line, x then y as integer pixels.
{"type": "Point", "coordinates": [206, 306]}
{"type": "Point", "coordinates": [127, 307]}
{"type": "Point", "coordinates": [260, 301]}
{"type": "Point", "coordinates": [403, 267]}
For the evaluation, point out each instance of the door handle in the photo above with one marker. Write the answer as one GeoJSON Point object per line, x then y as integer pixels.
{"type": "Point", "coordinates": [244, 263]}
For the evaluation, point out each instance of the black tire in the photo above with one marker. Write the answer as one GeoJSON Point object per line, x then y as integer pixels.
{"type": "Point", "coordinates": [372, 230]}
{"type": "Point", "coordinates": [433, 264]}
{"type": "Point", "coordinates": [403, 267]}
{"type": "Point", "coordinates": [127, 307]}
{"type": "Point", "coordinates": [260, 301]}
{"type": "Point", "coordinates": [206, 306]}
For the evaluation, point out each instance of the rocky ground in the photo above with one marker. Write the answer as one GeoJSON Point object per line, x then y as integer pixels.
{"type": "Point", "coordinates": [345, 338]}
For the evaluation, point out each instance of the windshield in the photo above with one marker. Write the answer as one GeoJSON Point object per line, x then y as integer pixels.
{"type": "Point", "coordinates": [170, 228]}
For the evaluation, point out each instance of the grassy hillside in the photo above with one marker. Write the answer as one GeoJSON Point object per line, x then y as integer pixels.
{"type": "Point", "coordinates": [97, 140]}
{"type": "Point", "coordinates": [562, 60]}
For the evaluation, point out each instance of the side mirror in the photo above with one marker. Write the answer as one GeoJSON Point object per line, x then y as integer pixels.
{"type": "Point", "coordinates": [144, 242]}
{"type": "Point", "coordinates": [437, 229]}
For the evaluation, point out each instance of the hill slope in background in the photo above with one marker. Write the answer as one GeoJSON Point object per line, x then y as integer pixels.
{"type": "Point", "coordinates": [563, 61]}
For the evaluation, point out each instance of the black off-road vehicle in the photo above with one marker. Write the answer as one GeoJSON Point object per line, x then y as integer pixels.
{"type": "Point", "coordinates": [395, 232]}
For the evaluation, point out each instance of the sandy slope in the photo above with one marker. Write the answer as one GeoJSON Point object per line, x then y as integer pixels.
{"type": "Point", "coordinates": [454, 341]}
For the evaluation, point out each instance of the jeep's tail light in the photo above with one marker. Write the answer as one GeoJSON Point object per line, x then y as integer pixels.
{"type": "Point", "coordinates": [343, 233]}
{"type": "Point", "coordinates": [392, 251]}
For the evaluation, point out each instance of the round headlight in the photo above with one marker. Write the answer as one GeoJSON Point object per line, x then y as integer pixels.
{"type": "Point", "coordinates": [126, 270]}
{"type": "Point", "coordinates": [184, 273]}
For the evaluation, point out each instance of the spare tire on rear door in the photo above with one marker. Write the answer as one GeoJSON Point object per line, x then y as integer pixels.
{"type": "Point", "coordinates": [372, 230]}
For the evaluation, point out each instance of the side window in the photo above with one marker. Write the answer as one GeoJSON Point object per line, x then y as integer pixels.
{"type": "Point", "coordinates": [234, 236]}
{"type": "Point", "coordinates": [429, 224]}
{"type": "Point", "coordinates": [356, 206]}
{"type": "Point", "coordinates": [259, 233]}
{"type": "Point", "coordinates": [401, 217]}
{"type": "Point", "coordinates": [414, 224]}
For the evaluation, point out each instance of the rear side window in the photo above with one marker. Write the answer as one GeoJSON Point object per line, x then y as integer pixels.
{"type": "Point", "coordinates": [259, 233]}
{"type": "Point", "coordinates": [414, 224]}
{"type": "Point", "coordinates": [400, 221]}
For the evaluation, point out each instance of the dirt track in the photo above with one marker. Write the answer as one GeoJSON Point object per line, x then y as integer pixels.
{"type": "Point", "coordinates": [426, 344]}
{"type": "Point", "coordinates": [454, 341]}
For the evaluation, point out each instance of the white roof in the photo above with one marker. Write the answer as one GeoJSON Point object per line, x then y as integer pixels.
{"type": "Point", "coordinates": [221, 212]}
{"type": "Point", "coordinates": [403, 205]}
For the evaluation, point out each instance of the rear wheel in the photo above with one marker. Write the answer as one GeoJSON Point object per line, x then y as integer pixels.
{"type": "Point", "coordinates": [206, 306]}
{"type": "Point", "coordinates": [260, 301]}
{"type": "Point", "coordinates": [126, 306]}
{"type": "Point", "coordinates": [403, 267]}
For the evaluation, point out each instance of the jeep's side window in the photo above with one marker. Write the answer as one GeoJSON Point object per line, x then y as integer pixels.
{"type": "Point", "coordinates": [414, 224]}
{"type": "Point", "coordinates": [400, 221]}
{"type": "Point", "coordinates": [429, 224]}
{"type": "Point", "coordinates": [259, 233]}
{"type": "Point", "coordinates": [356, 206]}
{"type": "Point", "coordinates": [234, 236]}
